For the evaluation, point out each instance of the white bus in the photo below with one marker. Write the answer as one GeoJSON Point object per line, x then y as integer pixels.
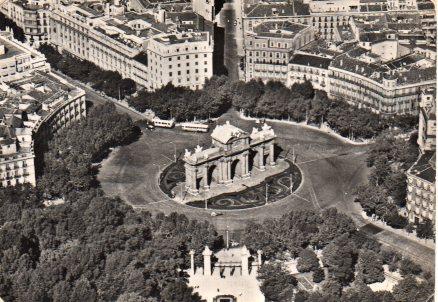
{"type": "Point", "coordinates": [194, 127]}
{"type": "Point", "coordinates": [163, 123]}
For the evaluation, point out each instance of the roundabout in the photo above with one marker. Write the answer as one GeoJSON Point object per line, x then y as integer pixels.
{"type": "Point", "coordinates": [143, 174]}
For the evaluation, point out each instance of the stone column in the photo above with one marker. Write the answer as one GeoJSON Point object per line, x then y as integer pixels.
{"type": "Point", "coordinates": [220, 173]}
{"type": "Point", "coordinates": [205, 178]}
{"type": "Point", "coordinates": [191, 179]}
{"type": "Point", "coordinates": [245, 165]}
{"type": "Point", "coordinates": [245, 265]}
{"type": "Point", "coordinates": [224, 165]}
{"type": "Point", "coordinates": [271, 154]}
{"type": "Point", "coordinates": [207, 261]}
{"type": "Point", "coordinates": [192, 262]}
{"type": "Point", "coordinates": [261, 155]}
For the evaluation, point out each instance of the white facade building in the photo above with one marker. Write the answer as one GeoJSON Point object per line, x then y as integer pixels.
{"type": "Point", "coordinates": [183, 59]}
{"type": "Point", "coordinates": [18, 59]}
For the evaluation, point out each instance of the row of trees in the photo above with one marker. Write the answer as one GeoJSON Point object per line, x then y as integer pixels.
{"type": "Point", "coordinates": [385, 193]}
{"type": "Point", "coordinates": [350, 258]}
{"type": "Point", "coordinates": [184, 104]}
{"type": "Point", "coordinates": [68, 163]}
{"type": "Point", "coordinates": [6, 22]}
{"type": "Point", "coordinates": [302, 102]}
{"type": "Point", "coordinates": [92, 247]}
{"type": "Point", "coordinates": [299, 103]}
{"type": "Point", "coordinates": [109, 82]}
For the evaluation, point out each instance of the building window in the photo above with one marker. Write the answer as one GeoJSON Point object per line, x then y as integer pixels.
{"type": "Point", "coordinates": [187, 57]}
{"type": "Point", "coordinates": [205, 69]}
{"type": "Point", "coordinates": [170, 74]}
{"type": "Point", "coordinates": [179, 72]}
{"type": "Point", "coordinates": [205, 55]}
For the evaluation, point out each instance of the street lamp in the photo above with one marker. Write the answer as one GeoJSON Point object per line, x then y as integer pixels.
{"type": "Point", "coordinates": [174, 150]}
{"type": "Point", "coordinates": [266, 194]}
{"type": "Point", "coordinates": [291, 183]}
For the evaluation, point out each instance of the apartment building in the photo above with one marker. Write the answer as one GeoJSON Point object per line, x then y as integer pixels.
{"type": "Point", "coordinates": [18, 59]}
{"type": "Point", "coordinates": [360, 78]}
{"type": "Point", "coordinates": [421, 181]}
{"type": "Point", "coordinates": [421, 197]}
{"type": "Point", "coordinates": [31, 110]}
{"type": "Point", "coordinates": [309, 67]}
{"type": "Point", "coordinates": [427, 121]}
{"type": "Point", "coordinates": [32, 17]}
{"type": "Point", "coordinates": [134, 44]}
{"type": "Point", "coordinates": [183, 59]}
{"type": "Point", "coordinates": [269, 47]}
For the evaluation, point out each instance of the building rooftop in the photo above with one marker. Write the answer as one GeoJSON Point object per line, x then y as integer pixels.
{"type": "Point", "coordinates": [279, 29]}
{"type": "Point", "coordinates": [295, 8]}
{"type": "Point", "coordinates": [311, 60]}
{"type": "Point", "coordinates": [424, 167]}
{"type": "Point", "coordinates": [180, 38]}
{"type": "Point", "coordinates": [224, 133]}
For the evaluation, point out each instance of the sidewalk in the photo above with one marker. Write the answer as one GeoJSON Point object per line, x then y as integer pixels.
{"type": "Point", "coordinates": [429, 243]}
{"type": "Point", "coordinates": [324, 129]}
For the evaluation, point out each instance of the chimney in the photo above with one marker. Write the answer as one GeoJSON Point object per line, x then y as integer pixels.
{"type": "Point", "coordinates": [207, 261]}
{"type": "Point", "coordinates": [192, 262]}
{"type": "Point", "coordinates": [245, 255]}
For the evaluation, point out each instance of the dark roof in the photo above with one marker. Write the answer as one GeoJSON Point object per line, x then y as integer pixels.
{"type": "Point", "coordinates": [309, 60]}
{"type": "Point", "coordinates": [424, 168]}
{"type": "Point", "coordinates": [142, 57]}
{"type": "Point", "coordinates": [276, 9]}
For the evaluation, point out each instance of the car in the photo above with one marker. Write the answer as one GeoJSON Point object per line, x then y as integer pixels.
{"type": "Point", "coordinates": [214, 214]}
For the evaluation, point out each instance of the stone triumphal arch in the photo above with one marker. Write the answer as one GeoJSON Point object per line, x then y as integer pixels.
{"type": "Point", "coordinates": [233, 156]}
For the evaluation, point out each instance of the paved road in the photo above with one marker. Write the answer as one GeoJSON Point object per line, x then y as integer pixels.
{"type": "Point", "coordinates": [97, 98]}
{"type": "Point", "coordinates": [231, 59]}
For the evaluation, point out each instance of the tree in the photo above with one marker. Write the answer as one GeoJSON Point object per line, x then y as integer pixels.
{"type": "Point", "coordinates": [409, 289]}
{"type": "Point", "coordinates": [334, 224]}
{"type": "Point", "coordinates": [307, 261]}
{"type": "Point", "coordinates": [408, 267]}
{"type": "Point", "coordinates": [305, 89]}
{"type": "Point", "coordinates": [339, 260]}
{"type": "Point", "coordinates": [359, 292]}
{"type": "Point", "coordinates": [332, 288]}
{"type": "Point", "coordinates": [425, 229]}
{"type": "Point", "coordinates": [246, 95]}
{"type": "Point", "coordinates": [277, 283]}
{"type": "Point", "coordinates": [179, 292]}
{"type": "Point", "coordinates": [370, 267]}
{"type": "Point", "coordinates": [318, 275]}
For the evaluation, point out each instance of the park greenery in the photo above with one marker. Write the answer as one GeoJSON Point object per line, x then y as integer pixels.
{"type": "Point", "coordinates": [68, 163]}
{"type": "Point", "coordinates": [352, 259]}
{"type": "Point", "coordinates": [385, 193]}
{"type": "Point", "coordinates": [92, 247]}
{"type": "Point", "coordinates": [109, 82]}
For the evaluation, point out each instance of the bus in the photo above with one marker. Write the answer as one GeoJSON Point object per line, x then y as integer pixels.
{"type": "Point", "coordinates": [163, 123]}
{"type": "Point", "coordinates": [194, 127]}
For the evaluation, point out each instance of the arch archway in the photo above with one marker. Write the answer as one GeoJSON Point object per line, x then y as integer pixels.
{"type": "Point", "coordinates": [236, 168]}
{"type": "Point", "coordinates": [212, 174]}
